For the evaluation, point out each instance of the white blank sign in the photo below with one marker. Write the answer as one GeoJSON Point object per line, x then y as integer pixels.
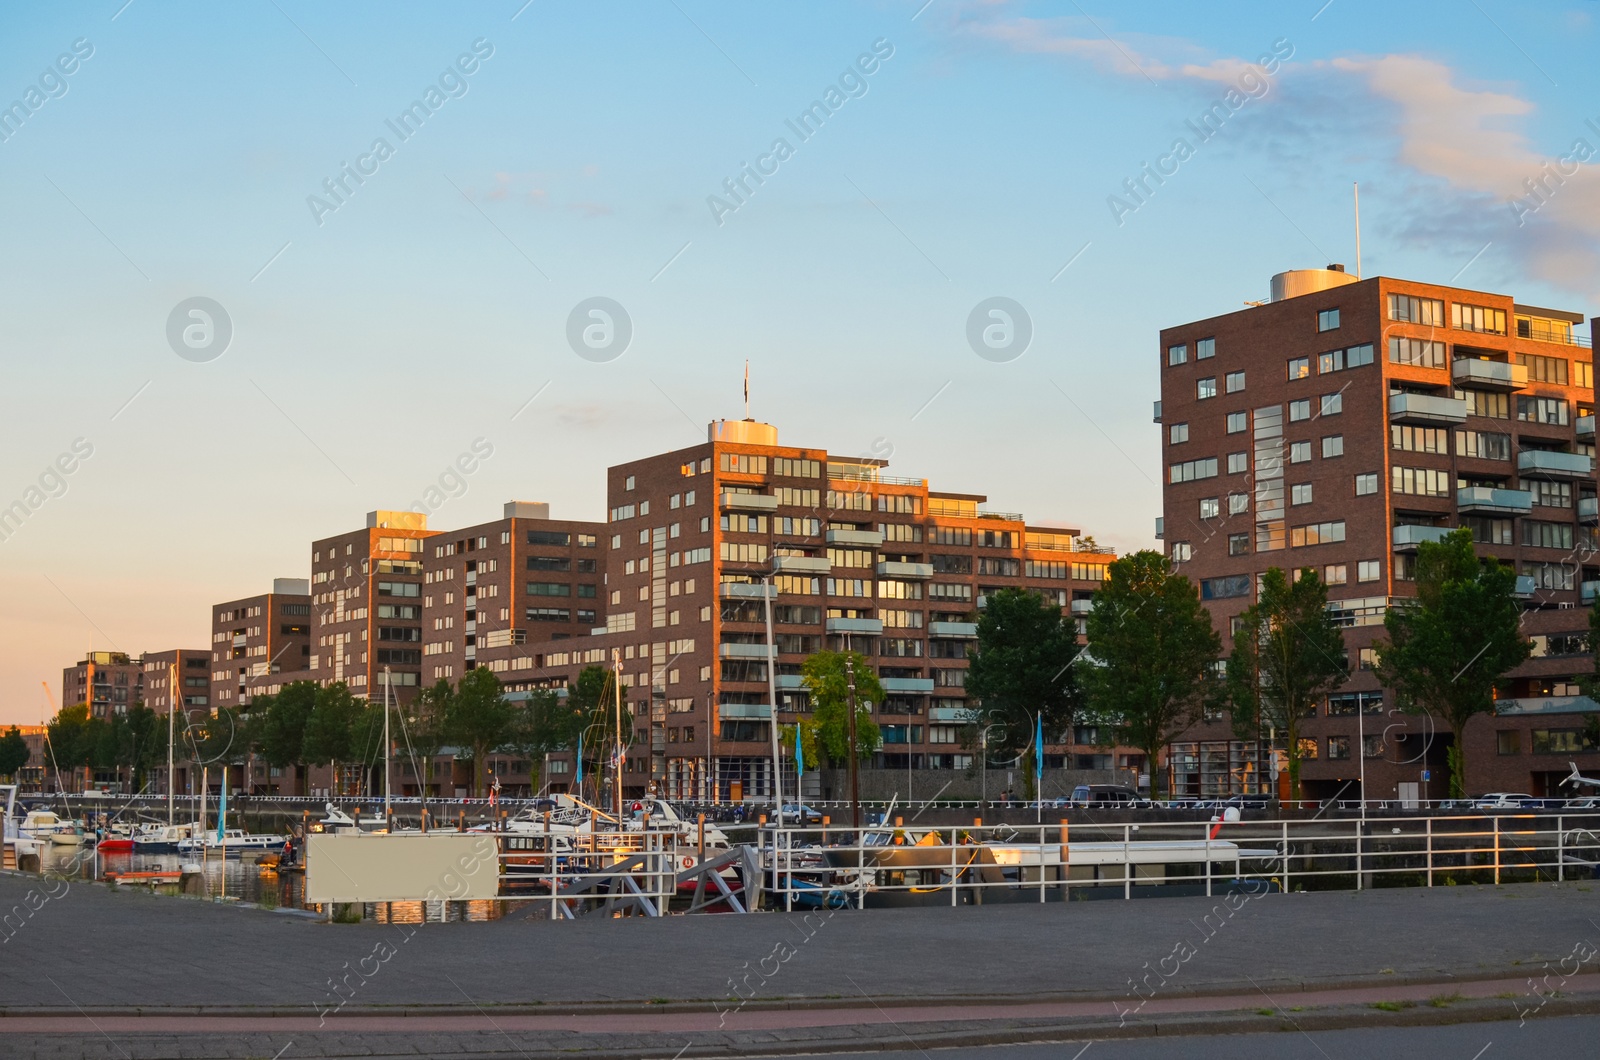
{"type": "Point", "coordinates": [438, 866]}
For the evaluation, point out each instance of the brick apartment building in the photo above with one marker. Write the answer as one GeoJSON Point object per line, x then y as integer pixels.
{"type": "Point", "coordinates": [260, 642]}
{"type": "Point", "coordinates": [194, 680]}
{"type": "Point", "coordinates": [366, 597]}
{"type": "Point", "coordinates": [108, 681]}
{"type": "Point", "coordinates": [1336, 427]}
{"type": "Point", "coordinates": [856, 558]}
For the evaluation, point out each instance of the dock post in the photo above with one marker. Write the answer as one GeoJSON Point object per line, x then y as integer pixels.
{"type": "Point", "coordinates": [1066, 859]}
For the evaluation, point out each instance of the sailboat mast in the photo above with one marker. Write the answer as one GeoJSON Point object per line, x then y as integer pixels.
{"type": "Point", "coordinates": [616, 758]}
{"type": "Point", "coordinates": [172, 708]}
{"type": "Point", "coordinates": [388, 810]}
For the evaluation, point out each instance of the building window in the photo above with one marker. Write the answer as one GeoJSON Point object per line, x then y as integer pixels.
{"type": "Point", "coordinates": [1366, 484]}
{"type": "Point", "coordinates": [1300, 493]}
{"type": "Point", "coordinates": [1299, 367]}
{"type": "Point", "coordinates": [1334, 574]}
{"type": "Point", "coordinates": [1367, 659]}
{"type": "Point", "coordinates": [1177, 354]}
{"type": "Point", "coordinates": [1299, 410]}
{"type": "Point", "coordinates": [1206, 388]}
{"type": "Point", "coordinates": [629, 483]}
{"type": "Point", "coordinates": [1317, 534]}
{"type": "Point", "coordinates": [1332, 445]}
{"type": "Point", "coordinates": [1238, 463]}
{"type": "Point", "coordinates": [1478, 318]}
{"type": "Point", "coordinates": [1210, 508]}
{"type": "Point", "coordinates": [1235, 382]}
{"type": "Point", "coordinates": [1239, 544]}
{"type": "Point", "coordinates": [1372, 745]}
{"type": "Point", "coordinates": [1339, 360]}
{"type": "Point", "coordinates": [1420, 353]}
{"type": "Point", "coordinates": [1414, 310]}
{"type": "Point", "coordinates": [1508, 742]}
{"type": "Point", "coordinates": [1190, 470]}
{"type": "Point", "coordinates": [1368, 570]}
{"type": "Point", "coordinates": [1205, 349]}
{"type": "Point", "coordinates": [1333, 404]}
{"type": "Point", "coordinates": [1238, 421]}
{"type": "Point", "coordinates": [1328, 320]}
{"type": "Point", "coordinates": [1299, 452]}
{"type": "Point", "coordinates": [1338, 747]}
{"type": "Point", "coordinates": [1238, 503]}
{"type": "Point", "coordinates": [1179, 433]}
{"type": "Point", "coordinates": [1182, 552]}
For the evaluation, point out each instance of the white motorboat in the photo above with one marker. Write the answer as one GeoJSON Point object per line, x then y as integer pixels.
{"type": "Point", "coordinates": [233, 841]}
{"type": "Point", "coordinates": [163, 839]}
{"type": "Point", "coordinates": [45, 825]}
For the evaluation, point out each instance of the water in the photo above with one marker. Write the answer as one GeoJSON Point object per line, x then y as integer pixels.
{"type": "Point", "coordinates": [244, 879]}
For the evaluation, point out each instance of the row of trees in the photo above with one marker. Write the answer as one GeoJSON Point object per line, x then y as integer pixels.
{"type": "Point", "coordinates": [1153, 666]}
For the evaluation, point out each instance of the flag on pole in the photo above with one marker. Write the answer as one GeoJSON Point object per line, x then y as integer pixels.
{"type": "Point", "coordinates": [494, 791]}
{"type": "Point", "coordinates": [799, 753]}
{"type": "Point", "coordinates": [1038, 750]}
{"type": "Point", "coordinates": [222, 811]}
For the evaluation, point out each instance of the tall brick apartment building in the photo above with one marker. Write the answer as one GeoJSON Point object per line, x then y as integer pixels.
{"type": "Point", "coordinates": [366, 604]}
{"type": "Point", "coordinates": [260, 642]}
{"type": "Point", "coordinates": [1337, 427]}
{"type": "Point", "coordinates": [856, 559]}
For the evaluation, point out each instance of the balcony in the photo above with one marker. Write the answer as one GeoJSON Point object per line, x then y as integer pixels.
{"type": "Point", "coordinates": [734, 711]}
{"type": "Point", "coordinates": [1407, 538]}
{"type": "Point", "coordinates": [855, 625]}
{"type": "Point", "coordinates": [1588, 510]}
{"type": "Point", "coordinates": [1161, 527]}
{"type": "Point", "coordinates": [1476, 374]}
{"type": "Point", "coordinates": [1540, 330]}
{"type": "Point", "coordinates": [1585, 425]}
{"type": "Point", "coordinates": [917, 686]}
{"type": "Point", "coordinates": [955, 630]}
{"type": "Point", "coordinates": [1551, 463]}
{"type": "Point", "coordinates": [857, 538]}
{"type": "Point", "coordinates": [1081, 607]}
{"type": "Point", "coordinates": [1157, 413]}
{"type": "Point", "coordinates": [1485, 500]}
{"type": "Point", "coordinates": [1525, 587]}
{"type": "Point", "coordinates": [1546, 705]}
{"type": "Point", "coordinates": [1426, 410]}
{"type": "Point", "coordinates": [742, 651]}
{"type": "Point", "coordinates": [749, 502]}
{"type": "Point", "coordinates": [791, 682]}
{"type": "Point", "coordinates": [801, 564]}
{"type": "Point", "coordinates": [895, 569]}
{"type": "Point", "coordinates": [960, 715]}
{"type": "Point", "coordinates": [746, 591]}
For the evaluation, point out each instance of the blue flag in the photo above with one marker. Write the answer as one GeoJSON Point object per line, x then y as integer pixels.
{"type": "Point", "coordinates": [1038, 749]}
{"type": "Point", "coordinates": [222, 813]}
{"type": "Point", "coordinates": [580, 763]}
{"type": "Point", "coordinates": [799, 753]}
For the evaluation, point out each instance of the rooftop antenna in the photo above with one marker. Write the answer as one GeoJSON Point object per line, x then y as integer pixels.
{"type": "Point", "coordinates": [1357, 188]}
{"type": "Point", "coordinates": [747, 389]}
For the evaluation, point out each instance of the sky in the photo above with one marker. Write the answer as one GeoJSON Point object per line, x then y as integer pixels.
{"type": "Point", "coordinates": [233, 321]}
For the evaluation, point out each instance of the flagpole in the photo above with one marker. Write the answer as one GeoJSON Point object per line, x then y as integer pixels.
{"type": "Point", "coordinates": [1038, 768]}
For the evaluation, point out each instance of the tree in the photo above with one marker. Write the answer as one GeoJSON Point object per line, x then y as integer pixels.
{"type": "Point", "coordinates": [14, 752]}
{"type": "Point", "coordinates": [1287, 655]}
{"type": "Point", "coordinates": [281, 730]}
{"type": "Point", "coordinates": [1151, 664]}
{"type": "Point", "coordinates": [827, 678]}
{"type": "Point", "coordinates": [480, 718]}
{"type": "Point", "coordinates": [69, 740]}
{"type": "Point", "coordinates": [142, 743]}
{"type": "Point", "coordinates": [1021, 669]}
{"type": "Point", "coordinates": [424, 730]}
{"type": "Point", "coordinates": [593, 695]}
{"type": "Point", "coordinates": [1589, 683]}
{"type": "Point", "coordinates": [543, 723]}
{"type": "Point", "coordinates": [330, 731]}
{"type": "Point", "coordinates": [1447, 648]}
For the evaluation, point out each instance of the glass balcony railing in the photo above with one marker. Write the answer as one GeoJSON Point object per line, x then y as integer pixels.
{"type": "Point", "coordinates": [1426, 409]}
{"type": "Point", "coordinates": [1407, 538]}
{"type": "Point", "coordinates": [1488, 375]}
{"type": "Point", "coordinates": [1486, 499]}
{"type": "Point", "coordinates": [1552, 463]}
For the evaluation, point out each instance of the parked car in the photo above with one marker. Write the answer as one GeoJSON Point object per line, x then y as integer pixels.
{"type": "Point", "coordinates": [1588, 802]}
{"type": "Point", "coordinates": [796, 811]}
{"type": "Point", "coordinates": [1103, 797]}
{"type": "Point", "coordinates": [1506, 800]}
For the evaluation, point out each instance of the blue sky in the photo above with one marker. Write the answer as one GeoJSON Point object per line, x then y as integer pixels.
{"type": "Point", "coordinates": [422, 314]}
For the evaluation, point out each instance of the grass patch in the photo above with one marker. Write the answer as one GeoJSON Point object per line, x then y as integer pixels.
{"type": "Point", "coordinates": [1444, 1000]}
{"type": "Point", "coordinates": [658, 1001]}
{"type": "Point", "coordinates": [1264, 1012]}
{"type": "Point", "coordinates": [1393, 1006]}
{"type": "Point", "coordinates": [1385, 971]}
{"type": "Point", "coordinates": [1298, 1008]}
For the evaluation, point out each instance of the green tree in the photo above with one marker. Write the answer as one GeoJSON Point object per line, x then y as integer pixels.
{"type": "Point", "coordinates": [1151, 663]}
{"type": "Point", "coordinates": [13, 752]}
{"type": "Point", "coordinates": [544, 723]}
{"type": "Point", "coordinates": [424, 730]}
{"type": "Point", "coordinates": [480, 718]}
{"type": "Point", "coordinates": [281, 730]}
{"type": "Point", "coordinates": [142, 744]}
{"type": "Point", "coordinates": [69, 741]}
{"type": "Point", "coordinates": [826, 676]}
{"type": "Point", "coordinates": [1021, 669]}
{"type": "Point", "coordinates": [1287, 655]}
{"type": "Point", "coordinates": [1447, 648]}
{"type": "Point", "coordinates": [1589, 683]}
{"type": "Point", "coordinates": [330, 731]}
